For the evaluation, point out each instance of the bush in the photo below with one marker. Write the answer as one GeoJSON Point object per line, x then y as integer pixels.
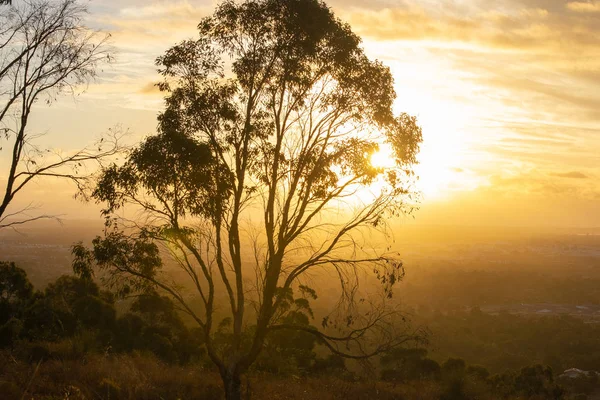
{"type": "Point", "coordinates": [403, 365]}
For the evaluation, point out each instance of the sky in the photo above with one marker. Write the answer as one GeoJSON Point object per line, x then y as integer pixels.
{"type": "Point", "coordinates": [507, 93]}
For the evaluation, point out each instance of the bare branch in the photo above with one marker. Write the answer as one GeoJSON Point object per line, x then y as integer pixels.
{"type": "Point", "coordinates": [45, 51]}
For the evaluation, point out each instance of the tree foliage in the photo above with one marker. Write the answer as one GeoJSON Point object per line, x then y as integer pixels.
{"type": "Point", "coordinates": [14, 285]}
{"type": "Point", "coordinates": [67, 306]}
{"type": "Point", "coordinates": [74, 310]}
{"type": "Point", "coordinates": [271, 117]}
{"type": "Point", "coordinates": [15, 293]}
{"type": "Point", "coordinates": [408, 364]}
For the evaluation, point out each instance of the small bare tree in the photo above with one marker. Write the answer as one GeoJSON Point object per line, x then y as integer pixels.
{"type": "Point", "coordinates": [45, 51]}
{"type": "Point", "coordinates": [260, 178]}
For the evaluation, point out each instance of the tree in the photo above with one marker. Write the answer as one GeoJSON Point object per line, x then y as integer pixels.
{"type": "Point", "coordinates": [67, 306]}
{"type": "Point", "coordinates": [15, 294]}
{"type": "Point", "coordinates": [529, 382]}
{"type": "Point", "coordinates": [15, 287]}
{"type": "Point", "coordinates": [159, 329]}
{"type": "Point", "coordinates": [290, 351]}
{"type": "Point", "coordinates": [406, 364]}
{"type": "Point", "coordinates": [45, 51]}
{"type": "Point", "coordinates": [260, 176]}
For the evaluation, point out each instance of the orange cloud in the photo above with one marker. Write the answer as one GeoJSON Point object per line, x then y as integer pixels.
{"type": "Point", "coordinates": [571, 175]}
{"type": "Point", "coordinates": [150, 88]}
{"type": "Point", "coordinates": [584, 7]}
{"type": "Point", "coordinates": [519, 29]}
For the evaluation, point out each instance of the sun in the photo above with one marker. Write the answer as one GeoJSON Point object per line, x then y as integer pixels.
{"type": "Point", "coordinates": [383, 158]}
{"type": "Point", "coordinates": [434, 173]}
{"type": "Point", "coordinates": [437, 175]}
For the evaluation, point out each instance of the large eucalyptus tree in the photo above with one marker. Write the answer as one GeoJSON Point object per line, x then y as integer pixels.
{"type": "Point", "coordinates": [260, 177]}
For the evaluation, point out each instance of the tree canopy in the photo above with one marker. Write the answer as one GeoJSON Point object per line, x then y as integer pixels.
{"type": "Point", "coordinates": [260, 175]}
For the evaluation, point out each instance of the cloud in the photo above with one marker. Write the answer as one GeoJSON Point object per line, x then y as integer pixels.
{"type": "Point", "coordinates": [543, 94]}
{"type": "Point", "coordinates": [409, 24]}
{"type": "Point", "coordinates": [150, 88]}
{"type": "Point", "coordinates": [584, 7]}
{"type": "Point", "coordinates": [140, 32]}
{"type": "Point", "coordinates": [536, 183]}
{"type": "Point", "coordinates": [516, 27]}
{"type": "Point", "coordinates": [571, 175]}
{"type": "Point", "coordinates": [154, 26]}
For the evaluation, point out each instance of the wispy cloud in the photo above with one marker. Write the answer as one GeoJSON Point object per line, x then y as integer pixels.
{"type": "Point", "coordinates": [150, 88]}
{"type": "Point", "coordinates": [584, 7]}
{"type": "Point", "coordinates": [513, 27]}
{"type": "Point", "coordinates": [571, 175]}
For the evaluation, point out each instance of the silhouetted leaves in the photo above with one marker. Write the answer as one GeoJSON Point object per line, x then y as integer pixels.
{"type": "Point", "coordinates": [272, 115]}
{"type": "Point", "coordinates": [130, 263]}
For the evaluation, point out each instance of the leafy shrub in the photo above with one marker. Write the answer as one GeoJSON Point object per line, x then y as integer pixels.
{"type": "Point", "coordinates": [402, 365]}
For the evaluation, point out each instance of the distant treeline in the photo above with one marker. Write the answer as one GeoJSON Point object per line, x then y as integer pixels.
{"type": "Point", "coordinates": [506, 341]}
{"type": "Point", "coordinates": [455, 287]}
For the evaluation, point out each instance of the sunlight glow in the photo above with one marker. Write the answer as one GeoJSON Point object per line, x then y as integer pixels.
{"type": "Point", "coordinates": [384, 158]}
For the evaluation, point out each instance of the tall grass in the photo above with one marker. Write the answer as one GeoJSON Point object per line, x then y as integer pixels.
{"type": "Point", "coordinates": [139, 376]}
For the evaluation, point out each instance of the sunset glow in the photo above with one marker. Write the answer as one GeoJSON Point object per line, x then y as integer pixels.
{"type": "Point", "coordinates": [506, 93]}
{"type": "Point", "coordinates": [299, 199]}
{"type": "Point", "coordinates": [384, 158]}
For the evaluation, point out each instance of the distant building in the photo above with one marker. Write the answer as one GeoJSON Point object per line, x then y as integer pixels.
{"type": "Point", "coordinates": [573, 373]}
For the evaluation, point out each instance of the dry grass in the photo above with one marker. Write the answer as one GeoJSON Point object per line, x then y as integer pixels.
{"type": "Point", "coordinates": [334, 389]}
{"type": "Point", "coordinates": [136, 376]}
{"type": "Point", "coordinates": [144, 377]}
{"type": "Point", "coordinates": [113, 377]}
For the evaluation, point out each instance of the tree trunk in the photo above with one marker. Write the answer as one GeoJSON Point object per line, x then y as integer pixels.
{"type": "Point", "coordinates": [233, 385]}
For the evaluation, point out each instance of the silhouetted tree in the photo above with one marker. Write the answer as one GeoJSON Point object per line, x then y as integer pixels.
{"type": "Point", "coordinates": [271, 119]}
{"type": "Point", "coordinates": [67, 306]}
{"type": "Point", "coordinates": [15, 294]}
{"type": "Point", "coordinates": [406, 364]}
{"type": "Point", "coordinates": [45, 50]}
{"type": "Point", "coordinates": [454, 379]}
{"type": "Point", "coordinates": [533, 381]}
{"type": "Point", "coordinates": [291, 351]}
{"type": "Point", "coordinates": [162, 331]}
{"type": "Point", "coordinates": [14, 284]}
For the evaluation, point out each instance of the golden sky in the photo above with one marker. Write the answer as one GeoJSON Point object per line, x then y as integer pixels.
{"type": "Point", "coordinates": [507, 92]}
